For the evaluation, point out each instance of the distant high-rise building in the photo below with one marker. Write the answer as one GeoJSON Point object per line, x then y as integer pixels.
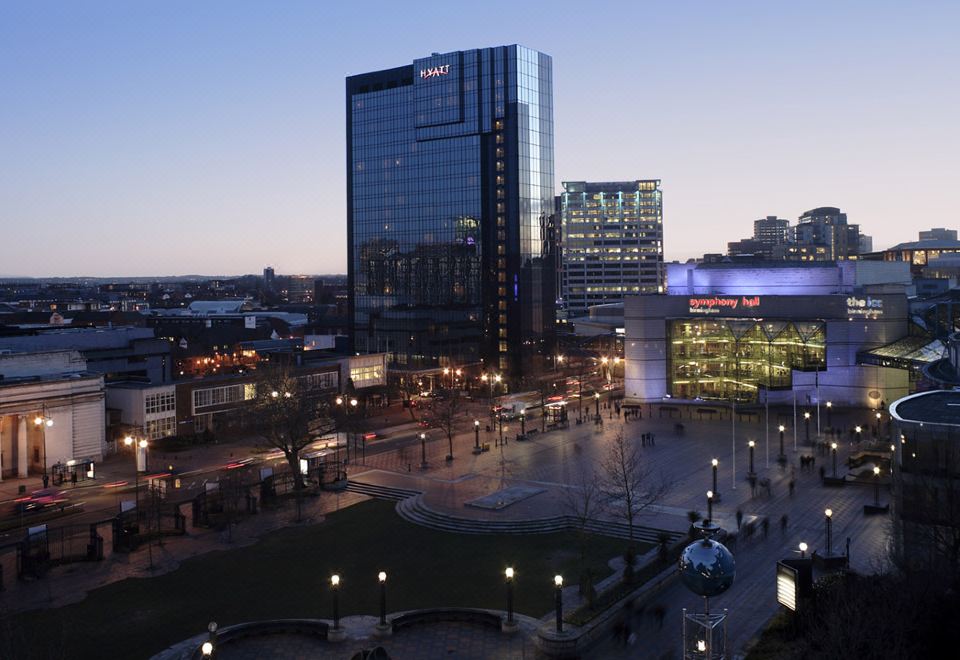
{"type": "Point", "coordinates": [612, 241]}
{"type": "Point", "coordinates": [822, 234]}
{"type": "Point", "coordinates": [771, 232]}
{"type": "Point", "coordinates": [300, 289]}
{"type": "Point", "coordinates": [865, 245]}
{"type": "Point", "coordinates": [939, 234]}
{"type": "Point", "coordinates": [268, 278]}
{"type": "Point", "coordinates": [450, 223]}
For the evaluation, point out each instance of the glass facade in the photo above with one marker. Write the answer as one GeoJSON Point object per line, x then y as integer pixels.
{"type": "Point", "coordinates": [735, 358]}
{"type": "Point", "coordinates": [612, 241]}
{"type": "Point", "coordinates": [450, 187]}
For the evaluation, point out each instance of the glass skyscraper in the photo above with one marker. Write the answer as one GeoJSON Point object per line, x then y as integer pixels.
{"type": "Point", "coordinates": [450, 209]}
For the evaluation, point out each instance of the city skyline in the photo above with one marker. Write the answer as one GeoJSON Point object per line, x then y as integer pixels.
{"type": "Point", "coordinates": [147, 140]}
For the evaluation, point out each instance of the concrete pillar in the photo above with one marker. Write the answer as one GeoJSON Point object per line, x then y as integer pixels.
{"type": "Point", "coordinates": [22, 447]}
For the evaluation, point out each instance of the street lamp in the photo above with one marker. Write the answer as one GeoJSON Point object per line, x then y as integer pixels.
{"type": "Point", "coordinates": [382, 576]}
{"type": "Point", "coordinates": [829, 410]}
{"type": "Point", "coordinates": [129, 442]}
{"type": "Point", "coordinates": [803, 549]}
{"type": "Point", "coordinates": [833, 449]}
{"type": "Point", "coordinates": [423, 451]}
{"type": "Point", "coordinates": [335, 588]}
{"type": "Point", "coordinates": [829, 518]}
{"type": "Point", "coordinates": [751, 444]}
{"type": "Point", "coordinates": [858, 430]}
{"type": "Point", "coordinates": [43, 422]}
{"type": "Point", "coordinates": [876, 485]}
{"type": "Point", "coordinates": [558, 584]}
{"type": "Point", "coordinates": [806, 421]}
{"type": "Point", "coordinates": [523, 422]}
{"type": "Point", "coordinates": [715, 463]}
{"type": "Point", "coordinates": [596, 399]}
{"type": "Point", "coordinates": [877, 433]}
{"type": "Point", "coordinates": [709, 506]}
{"type": "Point", "coordinates": [509, 575]}
{"type": "Point", "coordinates": [207, 649]}
{"type": "Point", "coordinates": [782, 429]}
{"type": "Point", "coordinates": [476, 436]}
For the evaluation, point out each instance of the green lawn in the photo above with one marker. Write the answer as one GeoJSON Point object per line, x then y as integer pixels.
{"type": "Point", "coordinates": [286, 575]}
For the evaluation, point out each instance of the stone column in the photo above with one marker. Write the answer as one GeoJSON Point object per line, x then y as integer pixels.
{"type": "Point", "coordinates": [22, 447]}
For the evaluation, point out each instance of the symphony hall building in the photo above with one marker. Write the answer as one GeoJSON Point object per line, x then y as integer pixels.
{"type": "Point", "coordinates": [768, 331]}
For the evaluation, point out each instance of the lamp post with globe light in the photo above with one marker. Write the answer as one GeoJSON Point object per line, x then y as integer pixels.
{"type": "Point", "coordinates": [828, 516]}
{"type": "Point", "coordinates": [833, 450]}
{"type": "Point", "coordinates": [829, 414]}
{"type": "Point", "coordinates": [876, 486]}
{"type": "Point", "coordinates": [751, 444]}
{"type": "Point", "coordinates": [803, 549]}
{"type": "Point", "coordinates": [382, 578]}
{"type": "Point", "coordinates": [558, 594]}
{"type": "Point", "coordinates": [508, 574]}
{"type": "Point", "coordinates": [806, 421]}
{"type": "Point", "coordinates": [42, 422]}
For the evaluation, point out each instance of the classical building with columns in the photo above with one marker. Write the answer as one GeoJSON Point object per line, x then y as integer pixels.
{"type": "Point", "coordinates": [51, 411]}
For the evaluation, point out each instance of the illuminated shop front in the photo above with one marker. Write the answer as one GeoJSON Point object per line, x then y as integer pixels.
{"type": "Point", "coordinates": [731, 358]}
{"type": "Point", "coordinates": [755, 349]}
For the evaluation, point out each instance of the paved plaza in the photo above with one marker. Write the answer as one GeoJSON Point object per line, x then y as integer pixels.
{"type": "Point", "coordinates": [542, 466]}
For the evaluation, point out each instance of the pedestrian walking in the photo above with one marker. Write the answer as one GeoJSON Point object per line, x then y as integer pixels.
{"type": "Point", "coordinates": [653, 440]}
{"type": "Point", "coordinates": [753, 486]}
{"type": "Point", "coordinates": [792, 485]}
{"type": "Point", "coordinates": [739, 519]}
{"type": "Point", "coordinates": [783, 524]}
{"type": "Point", "coordinates": [822, 473]}
{"type": "Point", "coordinates": [765, 526]}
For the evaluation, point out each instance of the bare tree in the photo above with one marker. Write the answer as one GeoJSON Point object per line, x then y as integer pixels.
{"type": "Point", "coordinates": [287, 414]}
{"type": "Point", "coordinates": [443, 416]}
{"type": "Point", "coordinates": [581, 500]}
{"type": "Point", "coordinates": [628, 484]}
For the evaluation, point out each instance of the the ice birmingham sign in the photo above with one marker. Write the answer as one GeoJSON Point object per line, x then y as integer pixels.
{"type": "Point", "coordinates": [864, 306]}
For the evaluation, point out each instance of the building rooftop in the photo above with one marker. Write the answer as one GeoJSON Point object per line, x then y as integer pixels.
{"type": "Point", "coordinates": [928, 244]}
{"type": "Point", "coordinates": [938, 407]}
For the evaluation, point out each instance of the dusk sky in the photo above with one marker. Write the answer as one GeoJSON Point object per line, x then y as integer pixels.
{"type": "Point", "coordinates": [162, 138]}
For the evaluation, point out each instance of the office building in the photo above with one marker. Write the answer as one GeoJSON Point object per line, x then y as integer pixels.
{"type": "Point", "coordinates": [770, 232]}
{"type": "Point", "coordinates": [938, 233]}
{"type": "Point", "coordinates": [450, 209]}
{"type": "Point", "coordinates": [300, 289]}
{"type": "Point", "coordinates": [269, 278]}
{"type": "Point", "coordinates": [612, 241]}
{"type": "Point", "coordinates": [822, 234]}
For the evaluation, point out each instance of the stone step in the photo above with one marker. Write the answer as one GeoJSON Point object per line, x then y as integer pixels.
{"type": "Point", "coordinates": [412, 509]}
{"type": "Point", "coordinates": [381, 492]}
